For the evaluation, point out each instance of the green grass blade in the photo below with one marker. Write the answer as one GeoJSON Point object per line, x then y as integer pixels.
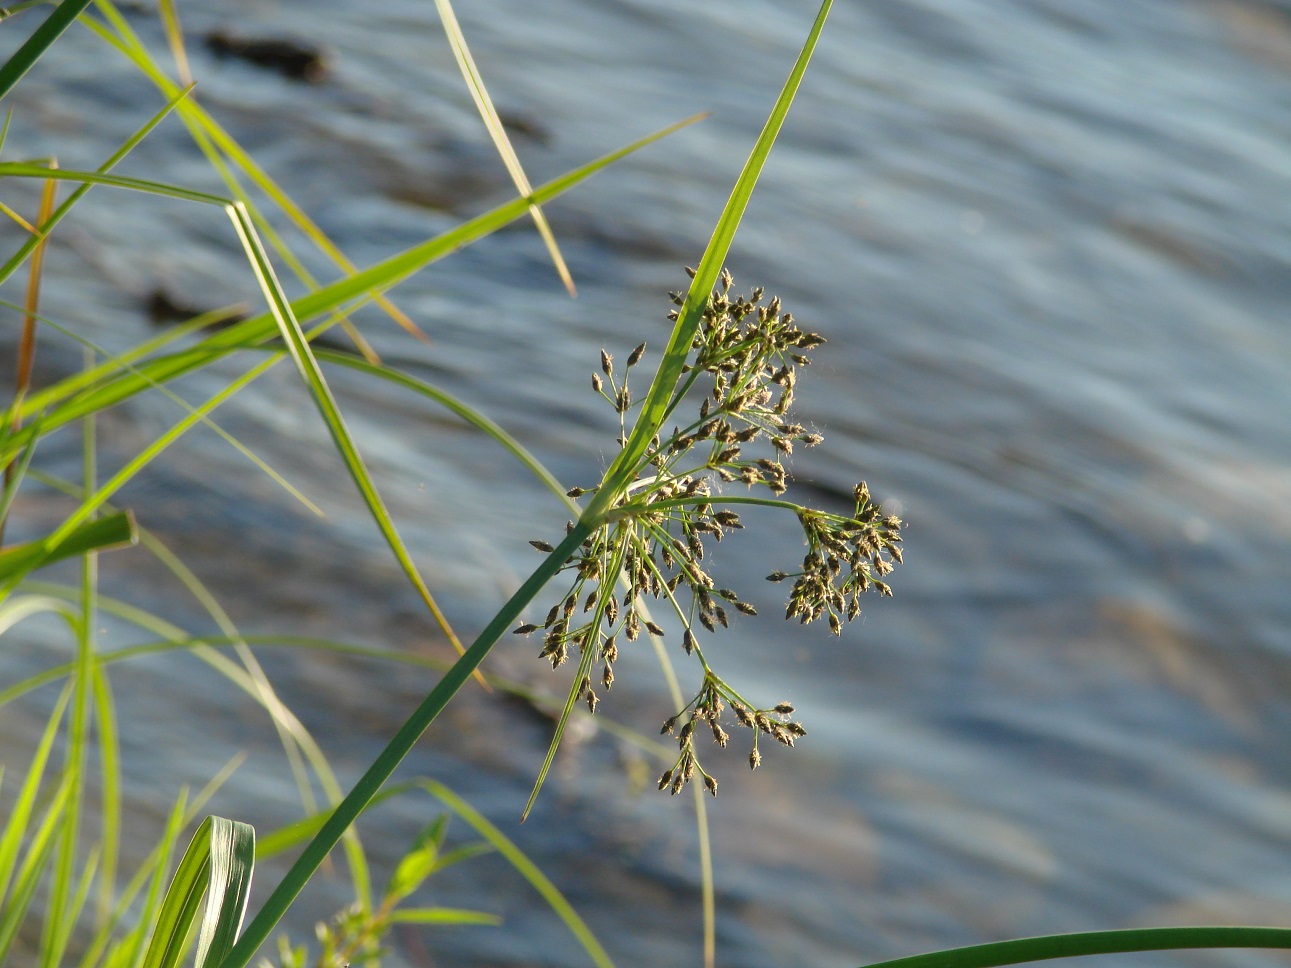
{"type": "Point", "coordinates": [1122, 941]}
{"type": "Point", "coordinates": [133, 949]}
{"type": "Point", "coordinates": [18, 472]}
{"type": "Point", "coordinates": [216, 144]}
{"type": "Point", "coordinates": [296, 740]}
{"type": "Point", "coordinates": [473, 417]}
{"type": "Point", "coordinates": [217, 865]}
{"type": "Point", "coordinates": [52, 598]}
{"type": "Point", "coordinates": [361, 286]}
{"type": "Point", "coordinates": [584, 668]}
{"type": "Point", "coordinates": [232, 862]}
{"type": "Point", "coordinates": [20, 169]}
{"type": "Point", "coordinates": [14, 610]}
{"type": "Point", "coordinates": [21, 61]}
{"type": "Point", "coordinates": [480, 94]}
{"type": "Point", "coordinates": [302, 355]}
{"type": "Point", "coordinates": [34, 865]}
{"type": "Point", "coordinates": [124, 365]}
{"type": "Point", "coordinates": [127, 951]}
{"type": "Point", "coordinates": [19, 257]}
{"type": "Point", "coordinates": [113, 531]}
{"type": "Point", "coordinates": [656, 404]}
{"type": "Point", "coordinates": [444, 916]}
{"type": "Point", "coordinates": [93, 502]}
{"type": "Point", "coordinates": [61, 908]}
{"type": "Point", "coordinates": [527, 869]}
{"type": "Point", "coordinates": [24, 806]}
{"type": "Point", "coordinates": [357, 800]}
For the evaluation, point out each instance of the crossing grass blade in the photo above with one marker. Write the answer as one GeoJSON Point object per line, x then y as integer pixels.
{"type": "Point", "coordinates": [218, 145]}
{"type": "Point", "coordinates": [307, 367]}
{"type": "Point", "coordinates": [25, 57]}
{"type": "Point", "coordinates": [124, 364]}
{"type": "Point", "coordinates": [73, 397]}
{"type": "Point", "coordinates": [26, 801]}
{"type": "Point", "coordinates": [39, 234]}
{"type": "Point", "coordinates": [27, 877]}
{"type": "Point", "coordinates": [370, 784]}
{"type": "Point", "coordinates": [467, 413]}
{"type": "Point", "coordinates": [298, 345]}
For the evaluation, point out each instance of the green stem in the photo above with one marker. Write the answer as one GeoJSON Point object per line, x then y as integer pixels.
{"type": "Point", "coordinates": [348, 810]}
{"type": "Point", "coordinates": [21, 61]}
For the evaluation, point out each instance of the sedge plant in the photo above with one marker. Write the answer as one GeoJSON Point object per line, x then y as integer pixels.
{"type": "Point", "coordinates": [708, 436]}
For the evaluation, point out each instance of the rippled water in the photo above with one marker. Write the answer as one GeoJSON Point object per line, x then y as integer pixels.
{"type": "Point", "coordinates": [1050, 244]}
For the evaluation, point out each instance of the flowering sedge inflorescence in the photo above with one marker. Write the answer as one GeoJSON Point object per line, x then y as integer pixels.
{"type": "Point", "coordinates": [745, 357]}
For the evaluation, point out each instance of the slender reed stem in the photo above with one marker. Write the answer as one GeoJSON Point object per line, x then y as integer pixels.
{"type": "Point", "coordinates": [348, 810]}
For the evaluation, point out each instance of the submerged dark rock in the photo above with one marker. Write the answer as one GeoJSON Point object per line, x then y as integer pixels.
{"type": "Point", "coordinates": [292, 59]}
{"type": "Point", "coordinates": [163, 309]}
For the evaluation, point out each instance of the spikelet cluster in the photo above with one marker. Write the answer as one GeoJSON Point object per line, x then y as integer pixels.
{"type": "Point", "coordinates": [743, 366]}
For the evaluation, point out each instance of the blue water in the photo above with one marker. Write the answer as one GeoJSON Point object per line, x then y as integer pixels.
{"type": "Point", "coordinates": [1050, 245]}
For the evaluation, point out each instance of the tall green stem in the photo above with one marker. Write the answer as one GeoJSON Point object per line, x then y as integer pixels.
{"type": "Point", "coordinates": [348, 810]}
{"type": "Point", "coordinates": [21, 61]}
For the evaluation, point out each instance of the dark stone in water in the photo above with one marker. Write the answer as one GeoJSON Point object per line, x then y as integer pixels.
{"type": "Point", "coordinates": [525, 126]}
{"type": "Point", "coordinates": [291, 59]}
{"type": "Point", "coordinates": [163, 309]}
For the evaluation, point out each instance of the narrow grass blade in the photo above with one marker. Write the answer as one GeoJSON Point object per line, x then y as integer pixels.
{"type": "Point", "coordinates": [20, 169]}
{"type": "Point", "coordinates": [217, 864]}
{"type": "Point", "coordinates": [109, 755]}
{"type": "Point", "coordinates": [133, 948]}
{"type": "Point", "coordinates": [444, 916]}
{"type": "Point", "coordinates": [527, 869]}
{"type": "Point", "coordinates": [24, 805]}
{"type": "Point", "coordinates": [113, 531]}
{"type": "Point", "coordinates": [584, 668]}
{"type": "Point", "coordinates": [34, 865]}
{"type": "Point", "coordinates": [656, 404]}
{"type": "Point", "coordinates": [175, 40]}
{"type": "Point", "coordinates": [362, 285]}
{"type": "Point", "coordinates": [21, 61]}
{"type": "Point", "coordinates": [61, 908]}
{"type": "Point", "coordinates": [302, 355]}
{"type": "Point", "coordinates": [125, 365]}
{"type": "Point", "coordinates": [369, 785]}
{"type": "Point", "coordinates": [498, 132]}
{"type": "Point", "coordinates": [214, 141]}
{"type": "Point", "coordinates": [14, 473]}
{"type": "Point", "coordinates": [27, 247]}
{"type": "Point", "coordinates": [473, 417]}
{"type": "Point", "coordinates": [1123, 941]}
